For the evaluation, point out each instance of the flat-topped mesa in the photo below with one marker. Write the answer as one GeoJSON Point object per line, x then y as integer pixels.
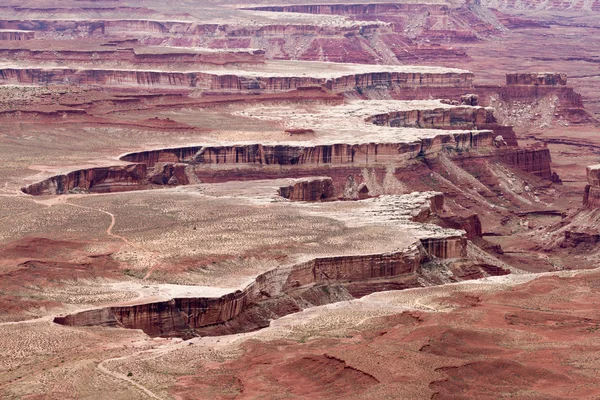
{"type": "Point", "coordinates": [591, 197]}
{"type": "Point", "coordinates": [334, 154]}
{"type": "Point", "coordinates": [529, 88]}
{"type": "Point", "coordinates": [279, 292]}
{"type": "Point", "coordinates": [436, 118]}
{"type": "Point", "coordinates": [537, 79]}
{"type": "Point", "coordinates": [291, 288]}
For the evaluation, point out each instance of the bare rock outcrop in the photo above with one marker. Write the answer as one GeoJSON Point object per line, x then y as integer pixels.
{"type": "Point", "coordinates": [98, 180]}
{"type": "Point", "coordinates": [234, 80]}
{"type": "Point", "coordinates": [310, 189]}
{"type": "Point", "coordinates": [537, 79]}
{"type": "Point", "coordinates": [532, 160]}
{"type": "Point", "coordinates": [591, 197]}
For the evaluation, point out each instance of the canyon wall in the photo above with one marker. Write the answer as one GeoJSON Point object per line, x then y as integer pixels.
{"type": "Point", "coordinates": [531, 160]}
{"type": "Point", "coordinates": [180, 166]}
{"type": "Point", "coordinates": [537, 79]}
{"type": "Point", "coordinates": [97, 180]}
{"type": "Point", "coordinates": [229, 81]}
{"type": "Point", "coordinates": [455, 117]}
{"type": "Point", "coordinates": [591, 197]}
{"type": "Point", "coordinates": [281, 291]}
{"type": "Point", "coordinates": [313, 189]}
{"type": "Point", "coordinates": [159, 56]}
{"type": "Point", "coordinates": [16, 35]}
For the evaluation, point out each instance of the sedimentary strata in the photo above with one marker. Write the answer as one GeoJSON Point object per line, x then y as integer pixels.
{"type": "Point", "coordinates": [291, 288]}
{"type": "Point", "coordinates": [271, 77]}
{"type": "Point", "coordinates": [591, 198]}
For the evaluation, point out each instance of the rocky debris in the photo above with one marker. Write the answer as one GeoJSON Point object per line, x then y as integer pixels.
{"type": "Point", "coordinates": [583, 241]}
{"type": "Point", "coordinates": [469, 100]}
{"type": "Point", "coordinates": [499, 141]}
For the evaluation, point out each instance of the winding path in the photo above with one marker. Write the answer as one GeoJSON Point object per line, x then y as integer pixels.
{"type": "Point", "coordinates": [110, 233]}
{"type": "Point", "coordinates": [125, 378]}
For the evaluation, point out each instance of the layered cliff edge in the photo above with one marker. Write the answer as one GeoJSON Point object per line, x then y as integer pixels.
{"type": "Point", "coordinates": [292, 288]}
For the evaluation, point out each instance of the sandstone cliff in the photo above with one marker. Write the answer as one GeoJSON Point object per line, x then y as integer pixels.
{"type": "Point", "coordinates": [537, 79]}
{"type": "Point", "coordinates": [591, 197]}
{"type": "Point", "coordinates": [230, 81]}
{"type": "Point", "coordinates": [101, 179]}
{"type": "Point", "coordinates": [532, 160]}
{"type": "Point", "coordinates": [311, 189]}
{"type": "Point", "coordinates": [282, 290]}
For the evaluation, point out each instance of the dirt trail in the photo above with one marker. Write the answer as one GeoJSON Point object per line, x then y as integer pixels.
{"type": "Point", "coordinates": [110, 233]}
{"type": "Point", "coordinates": [122, 377]}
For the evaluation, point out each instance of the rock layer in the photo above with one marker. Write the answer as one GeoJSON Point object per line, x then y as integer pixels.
{"type": "Point", "coordinates": [537, 79]}
{"type": "Point", "coordinates": [315, 189]}
{"type": "Point", "coordinates": [275, 293]}
{"type": "Point", "coordinates": [591, 197]}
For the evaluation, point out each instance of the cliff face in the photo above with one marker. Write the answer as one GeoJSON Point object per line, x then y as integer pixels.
{"type": "Point", "coordinates": [460, 24]}
{"type": "Point", "coordinates": [129, 55]}
{"type": "Point", "coordinates": [180, 166]}
{"type": "Point", "coordinates": [230, 82]}
{"type": "Point", "coordinates": [102, 179]}
{"type": "Point", "coordinates": [455, 117]}
{"type": "Point", "coordinates": [591, 197]}
{"type": "Point", "coordinates": [278, 292]}
{"type": "Point", "coordinates": [532, 160]}
{"type": "Point", "coordinates": [315, 189]}
{"type": "Point", "coordinates": [16, 35]}
{"type": "Point", "coordinates": [338, 154]}
{"type": "Point", "coordinates": [452, 247]}
{"type": "Point", "coordinates": [537, 79]}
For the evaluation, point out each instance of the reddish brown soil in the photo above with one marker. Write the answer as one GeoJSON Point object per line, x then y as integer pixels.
{"type": "Point", "coordinates": [538, 340]}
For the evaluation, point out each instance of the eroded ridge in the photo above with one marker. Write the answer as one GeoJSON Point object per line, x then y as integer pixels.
{"type": "Point", "coordinates": [415, 250]}
{"type": "Point", "coordinates": [390, 133]}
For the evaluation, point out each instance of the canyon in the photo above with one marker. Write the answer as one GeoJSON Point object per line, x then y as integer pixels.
{"type": "Point", "coordinates": [304, 200]}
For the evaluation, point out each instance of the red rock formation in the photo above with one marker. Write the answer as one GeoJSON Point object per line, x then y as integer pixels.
{"type": "Point", "coordinates": [532, 160]}
{"type": "Point", "coordinates": [169, 174]}
{"type": "Point", "coordinates": [441, 22]}
{"type": "Point", "coordinates": [132, 55]}
{"type": "Point", "coordinates": [336, 154]}
{"type": "Point", "coordinates": [16, 35]}
{"type": "Point", "coordinates": [101, 179]}
{"type": "Point", "coordinates": [451, 118]}
{"type": "Point", "coordinates": [448, 247]}
{"type": "Point", "coordinates": [470, 224]}
{"type": "Point", "coordinates": [279, 291]}
{"type": "Point", "coordinates": [591, 197]}
{"type": "Point", "coordinates": [228, 81]}
{"type": "Point", "coordinates": [312, 189]}
{"type": "Point", "coordinates": [537, 79]}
